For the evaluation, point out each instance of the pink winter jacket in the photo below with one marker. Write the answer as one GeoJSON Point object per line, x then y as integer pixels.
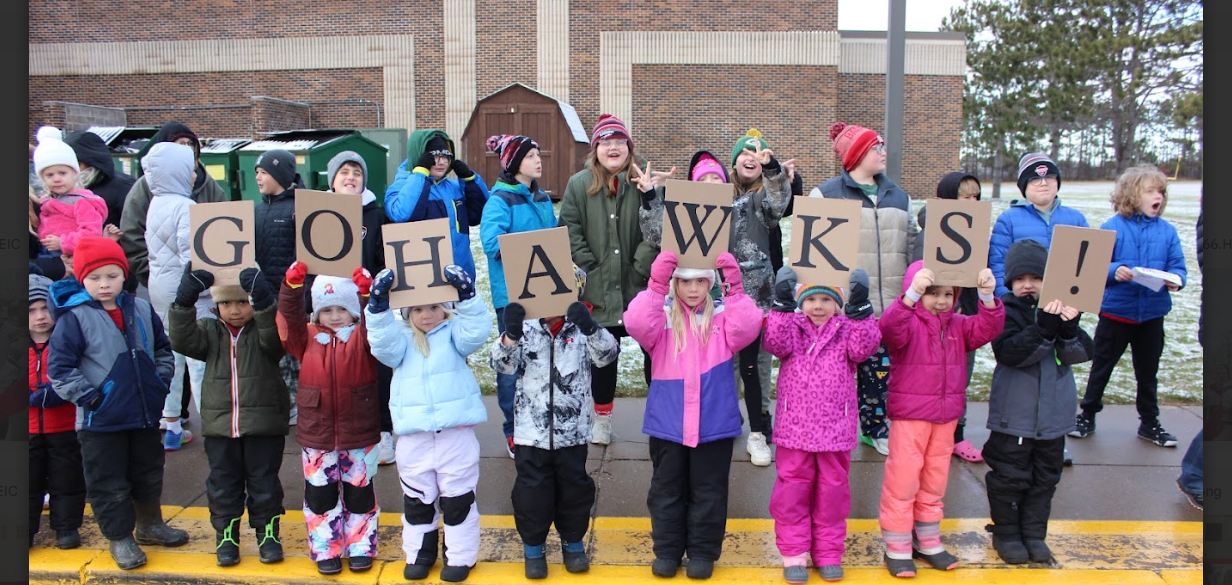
{"type": "Point", "coordinates": [72, 216]}
{"type": "Point", "coordinates": [692, 397]}
{"type": "Point", "coordinates": [928, 358]}
{"type": "Point", "coordinates": [817, 408]}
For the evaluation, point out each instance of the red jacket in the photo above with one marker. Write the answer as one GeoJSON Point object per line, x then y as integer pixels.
{"type": "Point", "coordinates": [56, 419]}
{"type": "Point", "coordinates": [338, 401]}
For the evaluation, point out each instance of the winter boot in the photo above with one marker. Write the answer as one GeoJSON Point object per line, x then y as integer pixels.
{"type": "Point", "coordinates": [575, 557]}
{"type": "Point", "coordinates": [455, 574]}
{"type": "Point", "coordinates": [152, 530]}
{"type": "Point", "coordinates": [1037, 550]}
{"type": "Point", "coordinates": [66, 539]}
{"type": "Point", "coordinates": [227, 544]}
{"type": "Point", "coordinates": [424, 560]}
{"type": "Point", "coordinates": [1010, 548]}
{"type": "Point", "coordinates": [268, 542]}
{"type": "Point", "coordinates": [535, 561]}
{"type": "Point", "coordinates": [699, 569]}
{"type": "Point", "coordinates": [666, 568]}
{"type": "Point", "coordinates": [126, 553]}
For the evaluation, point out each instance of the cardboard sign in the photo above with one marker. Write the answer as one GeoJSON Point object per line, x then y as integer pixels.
{"type": "Point", "coordinates": [417, 253]}
{"type": "Point", "coordinates": [956, 240]}
{"type": "Point", "coordinates": [1077, 268]}
{"type": "Point", "coordinates": [328, 231]}
{"type": "Point", "coordinates": [223, 239]}
{"type": "Point", "coordinates": [539, 271]}
{"type": "Point", "coordinates": [825, 240]}
{"type": "Point", "coordinates": [696, 221]}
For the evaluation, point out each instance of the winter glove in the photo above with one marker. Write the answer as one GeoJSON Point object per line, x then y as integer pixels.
{"type": "Point", "coordinates": [1048, 323]}
{"type": "Point", "coordinates": [192, 284]}
{"type": "Point", "coordinates": [515, 314]}
{"type": "Point", "coordinates": [858, 305]}
{"type": "Point", "coordinates": [579, 315]}
{"type": "Point", "coordinates": [461, 170]}
{"type": "Point", "coordinates": [731, 273]}
{"type": "Point", "coordinates": [378, 296]}
{"type": "Point", "coordinates": [648, 197]}
{"type": "Point", "coordinates": [426, 160]}
{"type": "Point", "coordinates": [797, 185]}
{"type": "Point", "coordinates": [460, 280]}
{"type": "Point", "coordinates": [296, 273]}
{"type": "Point", "coordinates": [772, 166]}
{"type": "Point", "coordinates": [257, 287]}
{"type": "Point", "coordinates": [92, 400]}
{"type": "Point", "coordinates": [661, 272]}
{"type": "Point", "coordinates": [784, 290]}
{"type": "Point", "coordinates": [1069, 329]}
{"type": "Point", "coordinates": [362, 279]}
{"type": "Point", "coordinates": [45, 397]}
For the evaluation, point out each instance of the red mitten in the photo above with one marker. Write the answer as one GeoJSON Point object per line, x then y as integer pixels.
{"type": "Point", "coordinates": [362, 279]}
{"type": "Point", "coordinates": [296, 273]}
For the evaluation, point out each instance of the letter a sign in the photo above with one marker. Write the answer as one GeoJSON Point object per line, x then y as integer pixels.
{"type": "Point", "coordinates": [825, 240]}
{"type": "Point", "coordinates": [539, 271]}
{"type": "Point", "coordinates": [696, 221]}
{"type": "Point", "coordinates": [222, 241]}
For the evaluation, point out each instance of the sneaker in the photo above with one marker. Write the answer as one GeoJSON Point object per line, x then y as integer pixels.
{"type": "Point", "coordinates": [386, 447]}
{"type": "Point", "coordinates": [1083, 425]}
{"type": "Point", "coordinates": [173, 441]}
{"type": "Point", "coordinates": [759, 453]}
{"type": "Point", "coordinates": [601, 430]}
{"type": "Point", "coordinates": [882, 445]}
{"type": "Point", "coordinates": [831, 572]}
{"type": "Point", "coordinates": [1156, 434]}
{"type": "Point", "coordinates": [967, 452]}
{"type": "Point", "coordinates": [796, 574]}
{"type": "Point", "coordinates": [1195, 500]}
{"type": "Point", "coordinates": [509, 446]}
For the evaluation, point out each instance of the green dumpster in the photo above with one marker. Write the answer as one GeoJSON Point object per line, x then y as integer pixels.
{"type": "Point", "coordinates": [127, 145]}
{"type": "Point", "coordinates": [312, 150]}
{"type": "Point", "coordinates": [394, 140]}
{"type": "Point", "coordinates": [220, 157]}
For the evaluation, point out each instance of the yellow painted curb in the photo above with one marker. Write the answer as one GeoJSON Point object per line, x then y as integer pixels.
{"type": "Point", "coordinates": [1175, 577]}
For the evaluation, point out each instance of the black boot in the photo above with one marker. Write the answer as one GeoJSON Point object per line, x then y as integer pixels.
{"type": "Point", "coordinates": [66, 539]}
{"type": "Point", "coordinates": [575, 562]}
{"type": "Point", "coordinates": [454, 574]}
{"type": "Point", "coordinates": [1037, 550]}
{"type": "Point", "coordinates": [126, 553]}
{"type": "Point", "coordinates": [424, 560]}
{"type": "Point", "coordinates": [1010, 548]}
{"type": "Point", "coordinates": [227, 544]}
{"type": "Point", "coordinates": [268, 543]}
{"type": "Point", "coordinates": [152, 530]}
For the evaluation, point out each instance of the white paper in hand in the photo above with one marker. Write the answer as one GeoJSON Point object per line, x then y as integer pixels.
{"type": "Point", "coordinates": [1154, 279]}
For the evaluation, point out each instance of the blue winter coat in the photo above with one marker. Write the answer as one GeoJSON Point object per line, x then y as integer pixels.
{"type": "Point", "coordinates": [414, 196]}
{"type": "Point", "coordinates": [437, 391]}
{"type": "Point", "coordinates": [1148, 243]}
{"type": "Point", "coordinates": [512, 208]}
{"type": "Point", "coordinates": [89, 355]}
{"type": "Point", "coordinates": [1023, 221]}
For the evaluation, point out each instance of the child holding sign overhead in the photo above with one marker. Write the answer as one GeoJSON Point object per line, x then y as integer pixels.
{"type": "Point", "coordinates": [692, 414]}
{"type": "Point", "coordinates": [818, 417]}
{"type": "Point", "coordinates": [339, 424]}
{"type": "Point", "coordinates": [435, 404]}
{"type": "Point", "coordinates": [928, 344]}
{"type": "Point", "coordinates": [1132, 313]}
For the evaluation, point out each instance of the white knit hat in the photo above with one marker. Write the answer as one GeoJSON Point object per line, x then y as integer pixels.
{"type": "Point", "coordinates": [334, 291]}
{"type": "Point", "coordinates": [52, 150]}
{"type": "Point", "coordinates": [687, 273]}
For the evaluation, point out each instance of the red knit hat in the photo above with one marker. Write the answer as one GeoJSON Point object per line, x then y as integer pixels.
{"type": "Point", "coordinates": [511, 149]}
{"type": "Point", "coordinates": [609, 126]}
{"type": "Point", "coordinates": [95, 252]}
{"type": "Point", "coordinates": [852, 142]}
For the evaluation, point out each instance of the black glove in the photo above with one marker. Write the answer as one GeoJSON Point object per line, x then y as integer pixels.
{"type": "Point", "coordinates": [378, 293]}
{"type": "Point", "coordinates": [1069, 329]}
{"type": "Point", "coordinates": [648, 197]}
{"type": "Point", "coordinates": [460, 169]}
{"type": "Point", "coordinates": [784, 290]}
{"type": "Point", "coordinates": [515, 314]}
{"type": "Point", "coordinates": [1048, 323]}
{"type": "Point", "coordinates": [858, 305]}
{"type": "Point", "coordinates": [773, 165]}
{"type": "Point", "coordinates": [426, 160]}
{"type": "Point", "coordinates": [797, 185]}
{"type": "Point", "coordinates": [257, 287]}
{"type": "Point", "coordinates": [93, 400]}
{"type": "Point", "coordinates": [192, 284]}
{"type": "Point", "coordinates": [460, 280]}
{"type": "Point", "coordinates": [579, 315]}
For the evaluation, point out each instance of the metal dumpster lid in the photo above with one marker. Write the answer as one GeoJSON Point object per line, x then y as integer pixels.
{"type": "Point", "coordinates": [107, 133]}
{"type": "Point", "coordinates": [298, 139]}
{"type": "Point", "coordinates": [222, 145]}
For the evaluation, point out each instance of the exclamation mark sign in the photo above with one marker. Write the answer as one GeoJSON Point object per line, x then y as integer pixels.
{"type": "Point", "coordinates": [1082, 256]}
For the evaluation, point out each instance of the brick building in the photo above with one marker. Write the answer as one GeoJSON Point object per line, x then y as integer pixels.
{"type": "Point", "coordinates": [684, 75]}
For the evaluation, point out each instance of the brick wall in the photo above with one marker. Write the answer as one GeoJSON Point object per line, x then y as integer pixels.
{"type": "Point", "coordinates": [505, 38]}
{"type": "Point", "coordinates": [270, 115]}
{"type": "Point", "coordinates": [82, 117]}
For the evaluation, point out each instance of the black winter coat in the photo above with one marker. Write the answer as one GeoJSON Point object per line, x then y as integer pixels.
{"type": "Point", "coordinates": [275, 219]}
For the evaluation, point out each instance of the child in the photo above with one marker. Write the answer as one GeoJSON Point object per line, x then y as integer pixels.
{"type": "Point", "coordinates": [928, 343]}
{"type": "Point", "coordinates": [552, 359]}
{"type": "Point", "coordinates": [1039, 180]}
{"type": "Point", "coordinates": [1033, 392]}
{"type": "Point", "coordinates": [692, 340]}
{"type": "Point", "coordinates": [168, 169]}
{"type": "Point", "coordinates": [110, 357]}
{"type": "Point", "coordinates": [818, 417]}
{"type": "Point", "coordinates": [1133, 315]}
{"type": "Point", "coordinates": [435, 404]}
{"type": "Point", "coordinates": [55, 454]}
{"type": "Point", "coordinates": [958, 186]}
{"type": "Point", "coordinates": [244, 405]}
{"type": "Point", "coordinates": [517, 204]}
{"type": "Point", "coordinates": [68, 212]}
{"type": "Point", "coordinates": [340, 418]}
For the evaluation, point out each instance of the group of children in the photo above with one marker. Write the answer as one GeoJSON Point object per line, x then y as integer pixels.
{"type": "Point", "coordinates": [102, 365]}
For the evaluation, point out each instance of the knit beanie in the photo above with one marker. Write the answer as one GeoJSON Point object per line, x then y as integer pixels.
{"type": "Point", "coordinates": [334, 291]}
{"type": "Point", "coordinates": [227, 293]}
{"type": "Point", "coordinates": [852, 143]}
{"type": "Point", "coordinates": [706, 164]}
{"type": "Point", "coordinates": [1036, 164]}
{"type": "Point", "coordinates": [346, 156]}
{"type": "Point", "coordinates": [688, 273]}
{"type": "Point", "coordinates": [52, 150]}
{"type": "Point", "coordinates": [804, 290]}
{"type": "Point", "coordinates": [280, 164]}
{"type": "Point", "coordinates": [511, 149]}
{"type": "Point", "coordinates": [94, 252]}
{"type": "Point", "coordinates": [40, 288]}
{"type": "Point", "coordinates": [439, 146]}
{"type": "Point", "coordinates": [1025, 256]}
{"type": "Point", "coordinates": [748, 141]}
{"type": "Point", "coordinates": [609, 126]}
{"type": "Point", "coordinates": [172, 131]}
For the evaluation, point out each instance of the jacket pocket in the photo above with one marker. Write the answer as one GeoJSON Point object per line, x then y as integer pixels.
{"type": "Point", "coordinates": [311, 416]}
{"type": "Point", "coordinates": [362, 415]}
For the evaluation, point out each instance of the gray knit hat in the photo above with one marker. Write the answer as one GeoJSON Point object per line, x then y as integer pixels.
{"type": "Point", "coordinates": [346, 156]}
{"type": "Point", "coordinates": [39, 288]}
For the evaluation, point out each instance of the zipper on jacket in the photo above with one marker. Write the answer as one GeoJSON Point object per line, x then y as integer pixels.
{"type": "Point", "coordinates": [333, 357]}
{"type": "Point", "coordinates": [552, 390]}
{"type": "Point", "coordinates": [235, 389]}
{"type": "Point", "coordinates": [131, 322]}
{"type": "Point", "coordinates": [38, 381]}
